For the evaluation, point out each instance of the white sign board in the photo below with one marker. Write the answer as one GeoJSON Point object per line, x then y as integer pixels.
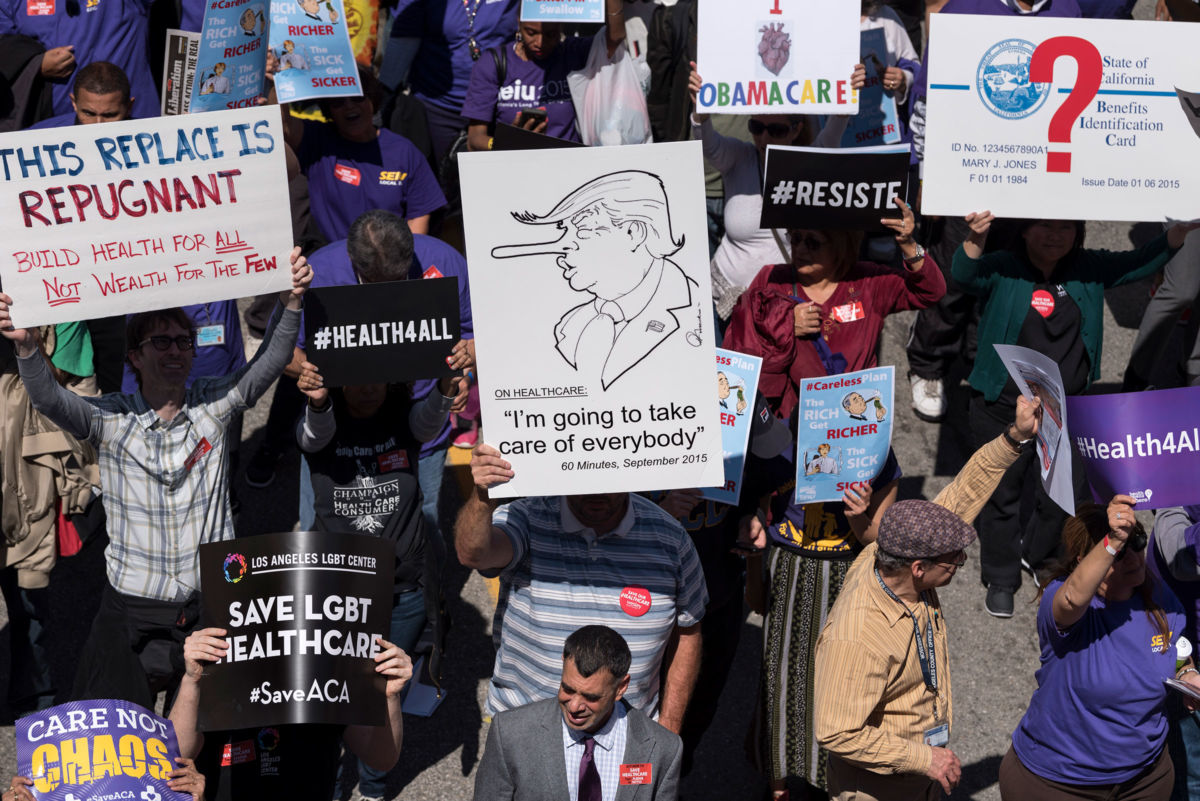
{"type": "Point", "coordinates": [121, 217]}
{"type": "Point", "coordinates": [777, 56]}
{"type": "Point", "coordinates": [593, 316]}
{"type": "Point", "coordinates": [1107, 139]}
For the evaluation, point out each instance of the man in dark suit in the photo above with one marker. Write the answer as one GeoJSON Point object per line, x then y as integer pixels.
{"type": "Point", "coordinates": [586, 745]}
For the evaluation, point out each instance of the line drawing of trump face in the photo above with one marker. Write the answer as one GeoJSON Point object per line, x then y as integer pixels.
{"type": "Point", "coordinates": [613, 247]}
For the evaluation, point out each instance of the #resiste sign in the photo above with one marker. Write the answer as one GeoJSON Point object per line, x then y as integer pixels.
{"type": "Point", "coordinates": [123, 217]}
{"type": "Point", "coordinates": [1062, 118]}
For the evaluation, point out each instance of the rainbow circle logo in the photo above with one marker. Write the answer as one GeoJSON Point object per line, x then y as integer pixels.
{"type": "Point", "coordinates": [235, 568]}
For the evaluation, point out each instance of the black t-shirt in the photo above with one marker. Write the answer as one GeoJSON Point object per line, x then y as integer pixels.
{"type": "Point", "coordinates": [1053, 327]}
{"type": "Point", "coordinates": [291, 761]}
{"type": "Point", "coordinates": [365, 482]}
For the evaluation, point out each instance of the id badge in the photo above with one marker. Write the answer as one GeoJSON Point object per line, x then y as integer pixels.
{"type": "Point", "coordinates": [938, 736]}
{"type": "Point", "coordinates": [209, 335]}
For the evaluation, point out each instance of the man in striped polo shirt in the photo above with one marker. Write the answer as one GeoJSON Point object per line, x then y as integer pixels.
{"type": "Point", "coordinates": [616, 560]}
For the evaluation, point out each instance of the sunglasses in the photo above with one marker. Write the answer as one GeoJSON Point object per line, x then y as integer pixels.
{"type": "Point", "coordinates": [810, 242]}
{"type": "Point", "coordinates": [162, 342]}
{"type": "Point", "coordinates": [775, 129]}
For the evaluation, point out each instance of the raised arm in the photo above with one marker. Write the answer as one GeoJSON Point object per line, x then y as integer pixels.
{"type": "Point", "coordinates": [278, 343]}
{"type": "Point", "coordinates": [480, 544]}
{"type": "Point", "coordinates": [379, 746]}
{"type": "Point", "coordinates": [1076, 593]}
{"type": "Point", "coordinates": [64, 408]}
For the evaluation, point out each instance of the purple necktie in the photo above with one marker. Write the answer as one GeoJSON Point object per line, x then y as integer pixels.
{"type": "Point", "coordinates": [589, 777]}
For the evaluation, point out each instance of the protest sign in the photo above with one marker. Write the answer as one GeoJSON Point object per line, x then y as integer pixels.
{"type": "Point", "coordinates": [312, 42]}
{"type": "Point", "coordinates": [1060, 119]}
{"type": "Point", "coordinates": [362, 23]}
{"type": "Point", "coordinates": [233, 55]}
{"type": "Point", "coordinates": [97, 749]}
{"type": "Point", "coordinates": [815, 187]}
{"type": "Point", "coordinates": [843, 432]}
{"type": "Point", "coordinates": [302, 611]}
{"type": "Point", "coordinates": [510, 137]}
{"type": "Point", "coordinates": [737, 383]}
{"type": "Point", "coordinates": [143, 214]}
{"type": "Point", "coordinates": [877, 121]}
{"type": "Point", "coordinates": [179, 70]}
{"type": "Point", "coordinates": [777, 56]}
{"type": "Point", "coordinates": [385, 332]}
{"type": "Point", "coordinates": [591, 302]}
{"type": "Point", "coordinates": [562, 10]}
{"type": "Point", "coordinates": [1037, 376]}
{"type": "Point", "coordinates": [1142, 444]}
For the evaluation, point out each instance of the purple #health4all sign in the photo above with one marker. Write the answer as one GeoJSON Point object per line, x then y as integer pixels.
{"type": "Point", "coordinates": [1142, 444]}
{"type": "Point", "coordinates": [97, 750]}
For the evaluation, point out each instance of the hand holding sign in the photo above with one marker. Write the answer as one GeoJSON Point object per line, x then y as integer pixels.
{"type": "Point", "coordinates": [394, 665]}
{"type": "Point", "coordinates": [18, 790]}
{"type": "Point", "coordinates": [302, 276]}
{"type": "Point", "coordinates": [21, 337]}
{"type": "Point", "coordinates": [186, 779]}
{"type": "Point", "coordinates": [488, 468]}
{"type": "Point", "coordinates": [1121, 519]}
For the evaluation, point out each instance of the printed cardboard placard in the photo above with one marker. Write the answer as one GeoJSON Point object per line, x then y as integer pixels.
{"type": "Point", "coordinates": [127, 216]}
{"type": "Point", "coordinates": [231, 69]}
{"type": "Point", "coordinates": [386, 332]}
{"type": "Point", "coordinates": [1038, 377]}
{"type": "Point", "coordinates": [777, 56]}
{"type": "Point", "coordinates": [97, 749]}
{"type": "Point", "coordinates": [179, 70]}
{"type": "Point", "coordinates": [843, 432]}
{"type": "Point", "coordinates": [814, 187]}
{"type": "Point", "coordinates": [302, 610]}
{"type": "Point", "coordinates": [877, 121]}
{"type": "Point", "coordinates": [592, 309]}
{"type": "Point", "coordinates": [1061, 119]}
{"type": "Point", "coordinates": [1143, 444]}
{"type": "Point", "coordinates": [316, 58]}
{"type": "Point", "coordinates": [737, 383]}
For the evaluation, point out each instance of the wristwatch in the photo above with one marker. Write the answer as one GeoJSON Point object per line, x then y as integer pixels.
{"type": "Point", "coordinates": [1017, 444]}
{"type": "Point", "coordinates": [916, 257]}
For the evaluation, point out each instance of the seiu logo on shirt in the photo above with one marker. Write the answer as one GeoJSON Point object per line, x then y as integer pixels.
{"type": "Point", "coordinates": [1158, 643]}
{"type": "Point", "coordinates": [532, 93]}
{"type": "Point", "coordinates": [93, 5]}
{"type": "Point", "coordinates": [391, 177]}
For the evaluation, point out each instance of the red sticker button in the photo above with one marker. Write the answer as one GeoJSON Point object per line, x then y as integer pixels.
{"type": "Point", "coordinates": [636, 774]}
{"type": "Point", "coordinates": [635, 601]}
{"type": "Point", "coordinates": [346, 174]}
{"type": "Point", "coordinates": [849, 312]}
{"type": "Point", "coordinates": [432, 272]}
{"type": "Point", "coordinates": [202, 447]}
{"type": "Point", "coordinates": [1043, 302]}
{"type": "Point", "coordinates": [237, 753]}
{"type": "Point", "coordinates": [39, 8]}
{"type": "Point", "coordinates": [392, 460]}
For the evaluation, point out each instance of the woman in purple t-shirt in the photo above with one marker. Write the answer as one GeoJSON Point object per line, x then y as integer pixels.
{"type": "Point", "coordinates": [1096, 727]}
{"type": "Point", "coordinates": [525, 82]}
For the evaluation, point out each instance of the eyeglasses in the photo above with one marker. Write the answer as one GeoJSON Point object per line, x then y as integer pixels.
{"type": "Point", "coordinates": [775, 129]}
{"type": "Point", "coordinates": [962, 560]}
{"type": "Point", "coordinates": [810, 242]}
{"type": "Point", "coordinates": [162, 342]}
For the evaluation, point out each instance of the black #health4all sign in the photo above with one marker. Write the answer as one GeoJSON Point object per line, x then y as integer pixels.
{"type": "Point", "coordinates": [813, 187]}
{"type": "Point", "coordinates": [301, 611]}
{"type": "Point", "coordinates": [387, 332]}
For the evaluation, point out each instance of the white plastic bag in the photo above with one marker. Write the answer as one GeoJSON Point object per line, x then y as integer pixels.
{"type": "Point", "coordinates": [610, 108]}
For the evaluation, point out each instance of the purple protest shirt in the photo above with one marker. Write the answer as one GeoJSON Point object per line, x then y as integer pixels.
{"type": "Point", "coordinates": [1077, 712]}
{"type": "Point", "coordinates": [432, 258]}
{"type": "Point", "coordinates": [528, 84]}
{"type": "Point", "coordinates": [347, 178]}
{"type": "Point", "coordinates": [442, 68]}
{"type": "Point", "coordinates": [100, 30]}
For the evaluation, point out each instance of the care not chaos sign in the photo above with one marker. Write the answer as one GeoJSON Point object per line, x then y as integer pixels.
{"type": "Point", "coordinates": [813, 187]}
{"type": "Point", "coordinates": [96, 750]}
{"type": "Point", "coordinates": [1061, 119]}
{"type": "Point", "coordinates": [302, 611]}
{"type": "Point", "coordinates": [777, 56]}
{"type": "Point", "coordinates": [387, 332]}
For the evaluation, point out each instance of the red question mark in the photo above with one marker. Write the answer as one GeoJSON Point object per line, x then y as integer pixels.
{"type": "Point", "coordinates": [1087, 84]}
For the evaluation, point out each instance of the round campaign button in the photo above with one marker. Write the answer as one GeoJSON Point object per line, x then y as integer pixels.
{"type": "Point", "coordinates": [635, 601]}
{"type": "Point", "coordinates": [1043, 302]}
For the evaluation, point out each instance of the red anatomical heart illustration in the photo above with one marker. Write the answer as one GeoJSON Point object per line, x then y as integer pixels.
{"type": "Point", "coordinates": [775, 47]}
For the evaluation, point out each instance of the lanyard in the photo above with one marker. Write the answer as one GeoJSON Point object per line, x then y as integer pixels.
{"type": "Point", "coordinates": [924, 649]}
{"type": "Point", "coordinates": [471, 12]}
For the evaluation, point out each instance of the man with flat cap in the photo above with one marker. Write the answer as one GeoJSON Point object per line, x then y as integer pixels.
{"type": "Point", "coordinates": [883, 703]}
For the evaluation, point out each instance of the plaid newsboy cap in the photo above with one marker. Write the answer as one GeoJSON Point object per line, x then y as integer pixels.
{"type": "Point", "coordinates": [921, 529]}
